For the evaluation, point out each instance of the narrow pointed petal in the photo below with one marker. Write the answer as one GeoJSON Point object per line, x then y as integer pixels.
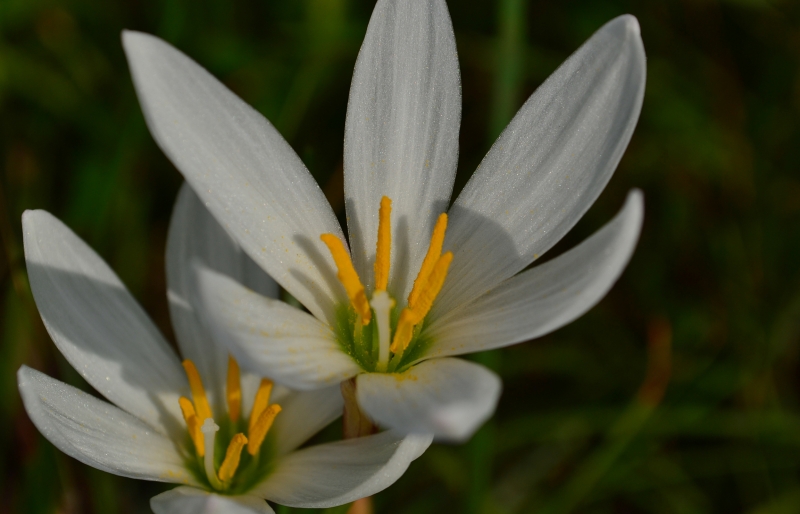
{"type": "Point", "coordinates": [195, 235]}
{"type": "Point", "coordinates": [337, 473]}
{"type": "Point", "coordinates": [98, 433]}
{"type": "Point", "coordinates": [244, 171]}
{"type": "Point", "coordinates": [98, 326]}
{"type": "Point", "coordinates": [190, 500]}
{"type": "Point", "coordinates": [401, 134]}
{"type": "Point", "coordinates": [548, 166]}
{"type": "Point", "coordinates": [304, 414]}
{"type": "Point", "coordinates": [271, 338]}
{"type": "Point", "coordinates": [449, 398]}
{"type": "Point", "coordinates": [545, 298]}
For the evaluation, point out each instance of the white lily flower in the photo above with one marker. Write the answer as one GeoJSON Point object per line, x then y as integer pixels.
{"type": "Point", "coordinates": [418, 286]}
{"type": "Point", "coordinates": [234, 443]}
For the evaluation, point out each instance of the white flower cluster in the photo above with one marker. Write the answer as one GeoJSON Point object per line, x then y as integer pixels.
{"type": "Point", "coordinates": [386, 310]}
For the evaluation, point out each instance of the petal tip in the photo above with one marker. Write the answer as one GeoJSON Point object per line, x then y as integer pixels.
{"type": "Point", "coordinates": [631, 24]}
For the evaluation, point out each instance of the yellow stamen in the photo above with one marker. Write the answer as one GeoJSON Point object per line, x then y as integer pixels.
{"type": "Point", "coordinates": [260, 429]}
{"type": "Point", "coordinates": [384, 250]}
{"type": "Point", "coordinates": [193, 424]}
{"type": "Point", "coordinates": [232, 457]}
{"type": "Point", "coordinates": [403, 333]}
{"type": "Point", "coordinates": [432, 287]}
{"type": "Point", "coordinates": [234, 390]}
{"type": "Point", "coordinates": [348, 277]}
{"type": "Point", "coordinates": [261, 401]}
{"type": "Point", "coordinates": [427, 294]}
{"type": "Point", "coordinates": [431, 258]}
{"type": "Point", "coordinates": [198, 392]}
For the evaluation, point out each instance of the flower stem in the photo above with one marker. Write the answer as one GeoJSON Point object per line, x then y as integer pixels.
{"type": "Point", "coordinates": [354, 422]}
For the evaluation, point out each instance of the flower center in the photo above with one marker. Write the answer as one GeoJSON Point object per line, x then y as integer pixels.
{"type": "Point", "coordinates": [391, 336]}
{"type": "Point", "coordinates": [203, 429]}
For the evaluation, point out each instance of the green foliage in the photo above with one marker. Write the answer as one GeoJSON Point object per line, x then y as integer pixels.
{"type": "Point", "coordinates": [676, 394]}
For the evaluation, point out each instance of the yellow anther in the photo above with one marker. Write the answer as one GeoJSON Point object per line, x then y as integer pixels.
{"type": "Point", "coordinates": [232, 457]}
{"type": "Point", "coordinates": [198, 391]}
{"type": "Point", "coordinates": [259, 431]}
{"type": "Point", "coordinates": [348, 277]}
{"type": "Point", "coordinates": [261, 401]}
{"type": "Point", "coordinates": [192, 424]}
{"type": "Point", "coordinates": [432, 287]}
{"type": "Point", "coordinates": [431, 258]}
{"type": "Point", "coordinates": [403, 333]}
{"type": "Point", "coordinates": [384, 250]}
{"type": "Point", "coordinates": [427, 294]}
{"type": "Point", "coordinates": [234, 390]}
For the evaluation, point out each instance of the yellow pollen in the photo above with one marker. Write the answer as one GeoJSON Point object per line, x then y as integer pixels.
{"type": "Point", "coordinates": [234, 390]}
{"type": "Point", "coordinates": [198, 392]}
{"type": "Point", "coordinates": [403, 333]}
{"type": "Point", "coordinates": [192, 424]}
{"type": "Point", "coordinates": [431, 258]}
{"type": "Point", "coordinates": [261, 401]}
{"type": "Point", "coordinates": [348, 277]}
{"type": "Point", "coordinates": [232, 457]}
{"type": "Point", "coordinates": [432, 287]}
{"type": "Point", "coordinates": [259, 431]}
{"type": "Point", "coordinates": [384, 250]}
{"type": "Point", "coordinates": [414, 315]}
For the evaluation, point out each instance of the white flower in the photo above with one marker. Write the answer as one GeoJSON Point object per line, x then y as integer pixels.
{"type": "Point", "coordinates": [232, 445]}
{"type": "Point", "coordinates": [400, 156]}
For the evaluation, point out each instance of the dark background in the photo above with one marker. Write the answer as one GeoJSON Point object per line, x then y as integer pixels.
{"type": "Point", "coordinates": [678, 393]}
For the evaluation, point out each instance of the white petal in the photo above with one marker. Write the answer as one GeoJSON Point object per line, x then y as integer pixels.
{"type": "Point", "coordinates": [546, 297]}
{"type": "Point", "coordinates": [337, 473]}
{"type": "Point", "coordinates": [190, 500]}
{"type": "Point", "coordinates": [98, 326]}
{"type": "Point", "coordinates": [548, 166]}
{"type": "Point", "coordinates": [195, 235]}
{"type": "Point", "coordinates": [247, 175]}
{"type": "Point", "coordinates": [449, 398]}
{"type": "Point", "coordinates": [401, 135]}
{"type": "Point", "coordinates": [97, 433]}
{"type": "Point", "coordinates": [271, 338]}
{"type": "Point", "coordinates": [304, 414]}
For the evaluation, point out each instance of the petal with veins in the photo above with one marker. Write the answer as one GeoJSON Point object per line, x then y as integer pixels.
{"type": "Point", "coordinates": [98, 326]}
{"type": "Point", "coordinates": [546, 297]}
{"type": "Point", "coordinates": [189, 500]}
{"type": "Point", "coordinates": [548, 166]}
{"type": "Point", "coordinates": [271, 338]}
{"type": "Point", "coordinates": [303, 415]}
{"type": "Point", "coordinates": [337, 473]}
{"type": "Point", "coordinates": [401, 134]}
{"type": "Point", "coordinates": [245, 172]}
{"type": "Point", "coordinates": [195, 235]}
{"type": "Point", "coordinates": [449, 398]}
{"type": "Point", "coordinates": [98, 433]}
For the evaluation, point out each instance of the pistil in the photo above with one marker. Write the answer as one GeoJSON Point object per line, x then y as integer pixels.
{"type": "Point", "coordinates": [210, 430]}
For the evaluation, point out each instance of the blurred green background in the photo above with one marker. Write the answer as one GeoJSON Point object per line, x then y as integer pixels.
{"type": "Point", "coordinates": [678, 393]}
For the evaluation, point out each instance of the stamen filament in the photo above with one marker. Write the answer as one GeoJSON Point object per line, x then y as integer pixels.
{"type": "Point", "coordinates": [198, 391]}
{"type": "Point", "coordinates": [234, 390]}
{"type": "Point", "coordinates": [384, 249]}
{"type": "Point", "coordinates": [348, 277]}
{"type": "Point", "coordinates": [232, 457]}
{"type": "Point", "coordinates": [192, 424]}
{"type": "Point", "coordinates": [383, 305]}
{"type": "Point", "coordinates": [260, 403]}
{"type": "Point", "coordinates": [431, 258]}
{"type": "Point", "coordinates": [210, 430]}
{"type": "Point", "coordinates": [260, 429]}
